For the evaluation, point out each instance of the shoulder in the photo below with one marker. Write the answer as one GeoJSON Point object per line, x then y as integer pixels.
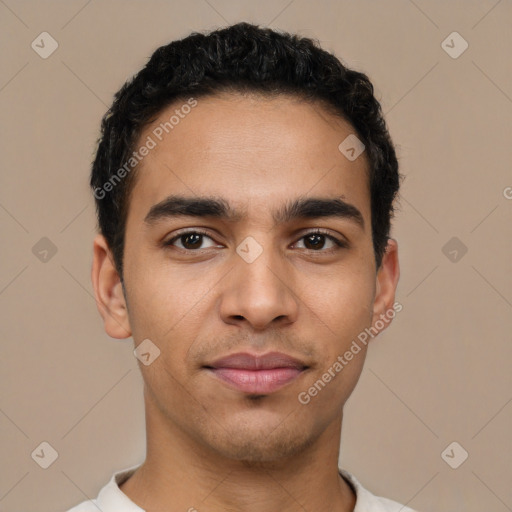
{"type": "Point", "coordinates": [85, 506]}
{"type": "Point", "coordinates": [110, 497]}
{"type": "Point", "coordinates": [391, 506]}
{"type": "Point", "coordinates": [368, 502]}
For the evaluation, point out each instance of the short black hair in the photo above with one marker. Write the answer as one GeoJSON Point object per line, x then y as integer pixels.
{"type": "Point", "coordinates": [240, 58]}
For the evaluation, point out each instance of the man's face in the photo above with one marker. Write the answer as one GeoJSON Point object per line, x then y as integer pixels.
{"type": "Point", "coordinates": [249, 285]}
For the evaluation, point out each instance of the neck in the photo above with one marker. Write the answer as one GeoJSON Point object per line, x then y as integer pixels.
{"type": "Point", "coordinates": [182, 474]}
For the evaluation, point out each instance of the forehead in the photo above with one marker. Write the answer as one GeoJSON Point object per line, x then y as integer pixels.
{"type": "Point", "coordinates": [248, 149]}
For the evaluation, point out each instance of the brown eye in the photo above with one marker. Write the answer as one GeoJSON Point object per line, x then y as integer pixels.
{"type": "Point", "coordinates": [189, 240]}
{"type": "Point", "coordinates": [316, 241]}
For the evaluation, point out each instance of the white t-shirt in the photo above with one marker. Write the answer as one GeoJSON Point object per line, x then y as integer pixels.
{"type": "Point", "coordinates": [112, 499]}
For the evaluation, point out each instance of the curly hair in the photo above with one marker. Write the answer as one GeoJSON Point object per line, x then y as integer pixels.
{"type": "Point", "coordinates": [240, 58]}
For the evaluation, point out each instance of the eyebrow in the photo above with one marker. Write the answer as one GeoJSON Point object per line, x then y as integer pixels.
{"type": "Point", "coordinates": [218, 208]}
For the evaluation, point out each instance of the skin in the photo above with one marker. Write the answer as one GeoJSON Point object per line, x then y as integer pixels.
{"type": "Point", "coordinates": [209, 446]}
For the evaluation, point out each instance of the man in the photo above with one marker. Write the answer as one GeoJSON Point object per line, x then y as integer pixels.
{"type": "Point", "coordinates": [244, 185]}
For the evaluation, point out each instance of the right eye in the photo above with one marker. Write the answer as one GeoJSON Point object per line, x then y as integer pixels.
{"type": "Point", "coordinates": [190, 240]}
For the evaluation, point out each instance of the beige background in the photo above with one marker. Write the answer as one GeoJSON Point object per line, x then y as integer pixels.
{"type": "Point", "coordinates": [440, 373]}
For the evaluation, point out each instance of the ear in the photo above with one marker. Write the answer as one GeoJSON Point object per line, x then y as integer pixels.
{"type": "Point", "coordinates": [108, 291]}
{"type": "Point", "coordinates": [387, 281]}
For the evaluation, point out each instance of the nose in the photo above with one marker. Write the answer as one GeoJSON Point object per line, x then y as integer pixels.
{"type": "Point", "coordinates": [260, 293]}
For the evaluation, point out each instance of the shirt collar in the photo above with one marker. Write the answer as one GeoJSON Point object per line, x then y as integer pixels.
{"type": "Point", "coordinates": [112, 499]}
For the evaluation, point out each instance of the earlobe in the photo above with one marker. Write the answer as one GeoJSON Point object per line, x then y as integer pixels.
{"type": "Point", "coordinates": [387, 281]}
{"type": "Point", "coordinates": [108, 291]}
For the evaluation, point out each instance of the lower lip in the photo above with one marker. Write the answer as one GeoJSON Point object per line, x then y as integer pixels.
{"type": "Point", "coordinates": [257, 381]}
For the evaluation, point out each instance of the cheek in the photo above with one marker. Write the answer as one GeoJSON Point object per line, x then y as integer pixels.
{"type": "Point", "coordinates": [169, 307]}
{"type": "Point", "coordinates": [342, 302]}
{"type": "Point", "coordinates": [163, 299]}
{"type": "Point", "coordinates": [341, 313]}
{"type": "Point", "coordinates": [326, 392]}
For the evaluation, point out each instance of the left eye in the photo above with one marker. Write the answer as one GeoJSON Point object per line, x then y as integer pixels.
{"type": "Point", "coordinates": [316, 240]}
{"type": "Point", "coordinates": [313, 241]}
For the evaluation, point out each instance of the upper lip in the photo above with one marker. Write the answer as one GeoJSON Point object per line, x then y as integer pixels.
{"type": "Point", "coordinates": [246, 361]}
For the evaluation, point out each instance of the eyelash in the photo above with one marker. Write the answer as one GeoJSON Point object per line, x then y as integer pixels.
{"type": "Point", "coordinates": [339, 243]}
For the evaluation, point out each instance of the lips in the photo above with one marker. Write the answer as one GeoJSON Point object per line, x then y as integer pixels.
{"type": "Point", "coordinates": [255, 374]}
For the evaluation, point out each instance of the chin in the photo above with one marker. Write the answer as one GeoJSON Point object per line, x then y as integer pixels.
{"type": "Point", "coordinates": [261, 445]}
